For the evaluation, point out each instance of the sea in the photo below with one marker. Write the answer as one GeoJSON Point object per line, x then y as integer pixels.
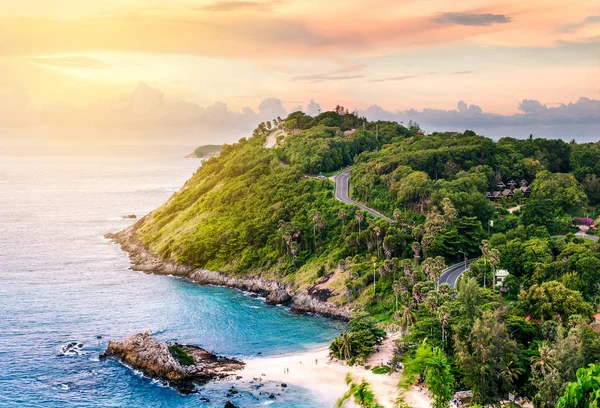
{"type": "Point", "coordinates": [62, 282]}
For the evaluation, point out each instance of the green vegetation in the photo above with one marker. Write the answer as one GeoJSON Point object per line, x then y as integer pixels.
{"type": "Point", "coordinates": [180, 355]}
{"type": "Point", "coordinates": [585, 392]}
{"type": "Point", "coordinates": [207, 151]}
{"type": "Point", "coordinates": [358, 341]}
{"type": "Point", "coordinates": [432, 365]}
{"type": "Point", "coordinates": [381, 369]}
{"type": "Point", "coordinates": [360, 392]}
{"type": "Point", "coordinates": [267, 212]}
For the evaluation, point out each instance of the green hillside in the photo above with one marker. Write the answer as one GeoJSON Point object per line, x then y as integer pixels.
{"type": "Point", "coordinates": [272, 213]}
{"type": "Point", "coordinates": [205, 151]}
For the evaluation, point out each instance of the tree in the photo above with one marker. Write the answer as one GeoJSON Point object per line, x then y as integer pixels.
{"type": "Point", "coordinates": [407, 318]}
{"type": "Point", "coordinates": [397, 289]}
{"type": "Point", "coordinates": [359, 217]}
{"type": "Point", "coordinates": [485, 250]}
{"type": "Point", "coordinates": [444, 314]}
{"type": "Point", "coordinates": [361, 392]}
{"type": "Point", "coordinates": [342, 215]}
{"type": "Point", "coordinates": [585, 392]}
{"type": "Point", "coordinates": [432, 364]}
{"type": "Point", "coordinates": [396, 215]}
{"type": "Point", "coordinates": [551, 300]}
{"type": "Point", "coordinates": [318, 223]}
{"type": "Point", "coordinates": [433, 267]}
{"type": "Point", "coordinates": [562, 188]}
{"type": "Point", "coordinates": [485, 356]}
{"type": "Point", "coordinates": [494, 257]}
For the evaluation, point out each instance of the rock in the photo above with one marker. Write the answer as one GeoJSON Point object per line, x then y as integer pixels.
{"type": "Point", "coordinates": [272, 396]}
{"type": "Point", "coordinates": [144, 260]}
{"type": "Point", "coordinates": [130, 216]}
{"type": "Point", "coordinates": [278, 297]}
{"type": "Point", "coordinates": [154, 360]}
{"type": "Point", "coordinates": [283, 385]}
{"type": "Point", "coordinates": [71, 349]}
{"type": "Point", "coordinates": [228, 404]}
{"type": "Point", "coordinates": [204, 399]}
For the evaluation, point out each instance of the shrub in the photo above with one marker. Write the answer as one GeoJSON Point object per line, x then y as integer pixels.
{"type": "Point", "coordinates": [381, 369]}
{"type": "Point", "coordinates": [180, 355]}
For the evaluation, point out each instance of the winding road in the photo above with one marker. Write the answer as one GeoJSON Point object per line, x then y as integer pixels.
{"type": "Point", "coordinates": [342, 188]}
{"type": "Point", "coordinates": [451, 274]}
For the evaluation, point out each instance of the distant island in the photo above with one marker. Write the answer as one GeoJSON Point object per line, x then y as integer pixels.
{"type": "Point", "coordinates": [206, 151]}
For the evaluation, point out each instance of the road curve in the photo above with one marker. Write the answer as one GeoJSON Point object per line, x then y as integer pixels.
{"type": "Point", "coordinates": [342, 187]}
{"type": "Point", "coordinates": [451, 274]}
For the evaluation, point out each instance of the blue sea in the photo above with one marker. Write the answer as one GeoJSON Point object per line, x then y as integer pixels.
{"type": "Point", "coordinates": [61, 281]}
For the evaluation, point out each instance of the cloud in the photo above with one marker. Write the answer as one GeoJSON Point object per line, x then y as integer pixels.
{"type": "Point", "coordinates": [75, 61]}
{"type": "Point", "coordinates": [331, 76]}
{"type": "Point", "coordinates": [313, 108]}
{"type": "Point", "coordinates": [401, 77]}
{"type": "Point", "coordinates": [569, 28]}
{"type": "Point", "coordinates": [226, 6]}
{"type": "Point", "coordinates": [472, 19]}
{"type": "Point", "coordinates": [579, 120]}
{"type": "Point", "coordinates": [149, 112]}
{"type": "Point", "coordinates": [462, 72]}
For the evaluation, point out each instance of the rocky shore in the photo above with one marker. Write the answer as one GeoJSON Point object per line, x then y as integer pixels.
{"type": "Point", "coordinates": [179, 366]}
{"type": "Point", "coordinates": [275, 292]}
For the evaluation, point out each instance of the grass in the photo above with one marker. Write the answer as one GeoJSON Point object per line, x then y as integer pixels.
{"type": "Point", "coordinates": [381, 369]}
{"type": "Point", "coordinates": [180, 355]}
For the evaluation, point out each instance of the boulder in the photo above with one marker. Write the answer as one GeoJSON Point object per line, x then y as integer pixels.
{"type": "Point", "coordinates": [155, 360]}
{"type": "Point", "coordinates": [278, 297]}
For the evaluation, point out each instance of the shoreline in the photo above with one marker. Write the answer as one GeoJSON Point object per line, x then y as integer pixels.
{"type": "Point", "coordinates": [312, 370]}
{"type": "Point", "coordinates": [326, 378]}
{"type": "Point", "coordinates": [275, 292]}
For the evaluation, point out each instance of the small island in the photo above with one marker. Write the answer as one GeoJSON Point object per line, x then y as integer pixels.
{"type": "Point", "coordinates": [179, 366]}
{"type": "Point", "coordinates": [205, 151]}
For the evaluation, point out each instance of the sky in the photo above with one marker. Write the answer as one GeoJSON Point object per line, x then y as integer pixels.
{"type": "Point", "coordinates": [192, 71]}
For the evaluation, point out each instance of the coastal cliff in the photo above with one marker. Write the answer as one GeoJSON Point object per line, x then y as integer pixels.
{"type": "Point", "coordinates": [275, 292]}
{"type": "Point", "coordinates": [180, 366]}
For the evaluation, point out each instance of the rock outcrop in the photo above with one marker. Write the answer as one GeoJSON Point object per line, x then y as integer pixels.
{"type": "Point", "coordinates": [155, 360]}
{"type": "Point", "coordinates": [275, 292]}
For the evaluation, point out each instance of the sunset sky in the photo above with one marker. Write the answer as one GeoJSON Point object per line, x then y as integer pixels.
{"type": "Point", "coordinates": [216, 68]}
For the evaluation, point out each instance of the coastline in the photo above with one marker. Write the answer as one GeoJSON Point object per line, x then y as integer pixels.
{"type": "Point", "coordinates": [326, 378]}
{"type": "Point", "coordinates": [275, 292]}
{"type": "Point", "coordinates": [311, 370]}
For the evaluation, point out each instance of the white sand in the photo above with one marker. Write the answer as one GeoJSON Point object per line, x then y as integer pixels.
{"type": "Point", "coordinates": [326, 379]}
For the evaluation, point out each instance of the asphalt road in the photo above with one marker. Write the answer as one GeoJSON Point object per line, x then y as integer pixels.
{"type": "Point", "coordinates": [450, 275]}
{"type": "Point", "coordinates": [342, 187]}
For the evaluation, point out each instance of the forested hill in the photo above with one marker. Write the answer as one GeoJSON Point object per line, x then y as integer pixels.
{"type": "Point", "coordinates": [271, 212]}
{"type": "Point", "coordinates": [206, 151]}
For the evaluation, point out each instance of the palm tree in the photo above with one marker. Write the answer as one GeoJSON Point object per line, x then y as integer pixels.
{"type": "Point", "coordinates": [444, 314]}
{"type": "Point", "coordinates": [396, 215]}
{"type": "Point", "coordinates": [510, 373]}
{"type": "Point", "coordinates": [544, 363]}
{"type": "Point", "coordinates": [363, 396]}
{"type": "Point", "coordinates": [318, 222]}
{"type": "Point", "coordinates": [374, 276]}
{"type": "Point", "coordinates": [342, 215]}
{"type": "Point", "coordinates": [407, 318]}
{"type": "Point", "coordinates": [485, 250]}
{"type": "Point", "coordinates": [359, 217]}
{"type": "Point", "coordinates": [397, 289]}
{"type": "Point", "coordinates": [377, 231]}
{"type": "Point", "coordinates": [494, 258]}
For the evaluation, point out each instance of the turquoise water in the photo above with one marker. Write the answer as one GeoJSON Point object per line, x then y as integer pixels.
{"type": "Point", "coordinates": [61, 281]}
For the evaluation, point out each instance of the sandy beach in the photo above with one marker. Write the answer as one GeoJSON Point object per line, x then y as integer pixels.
{"type": "Point", "coordinates": [314, 370]}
